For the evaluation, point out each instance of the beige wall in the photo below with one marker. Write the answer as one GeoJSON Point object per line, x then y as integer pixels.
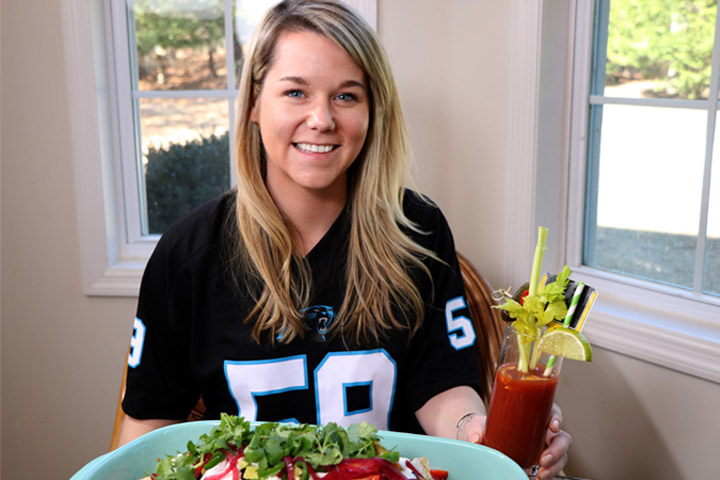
{"type": "Point", "coordinates": [454, 90]}
{"type": "Point", "coordinates": [62, 352]}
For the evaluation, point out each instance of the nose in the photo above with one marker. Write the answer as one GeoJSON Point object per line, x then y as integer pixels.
{"type": "Point", "coordinates": [320, 117]}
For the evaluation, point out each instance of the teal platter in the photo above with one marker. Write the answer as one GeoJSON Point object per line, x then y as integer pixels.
{"type": "Point", "coordinates": [464, 461]}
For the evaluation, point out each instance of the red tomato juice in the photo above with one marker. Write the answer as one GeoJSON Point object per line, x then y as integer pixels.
{"type": "Point", "coordinates": [519, 413]}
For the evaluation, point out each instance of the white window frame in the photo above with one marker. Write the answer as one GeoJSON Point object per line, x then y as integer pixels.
{"type": "Point", "coordinates": [111, 264]}
{"type": "Point", "coordinates": [550, 55]}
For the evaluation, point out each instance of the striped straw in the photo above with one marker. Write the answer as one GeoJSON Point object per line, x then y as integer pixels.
{"type": "Point", "coordinates": [566, 323]}
{"type": "Point", "coordinates": [573, 304]}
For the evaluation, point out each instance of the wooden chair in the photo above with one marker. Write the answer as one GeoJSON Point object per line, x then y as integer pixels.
{"type": "Point", "coordinates": [196, 414]}
{"type": "Point", "coordinates": [486, 320]}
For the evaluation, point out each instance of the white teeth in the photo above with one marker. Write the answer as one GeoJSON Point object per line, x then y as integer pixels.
{"type": "Point", "coordinates": [312, 148]}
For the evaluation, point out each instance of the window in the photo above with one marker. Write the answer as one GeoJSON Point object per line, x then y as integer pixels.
{"type": "Point", "coordinates": [622, 148]}
{"type": "Point", "coordinates": [650, 202]}
{"type": "Point", "coordinates": [177, 65]}
{"type": "Point", "coordinates": [151, 88]}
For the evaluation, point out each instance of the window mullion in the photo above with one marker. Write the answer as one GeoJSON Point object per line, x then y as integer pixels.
{"type": "Point", "coordinates": [597, 87]}
{"type": "Point", "coordinates": [128, 196]}
{"type": "Point", "coordinates": [183, 93]}
{"type": "Point", "coordinates": [231, 80]}
{"type": "Point", "coordinates": [709, 142]}
{"type": "Point", "coordinates": [136, 205]}
{"type": "Point", "coordinates": [229, 45]}
{"type": "Point", "coordinates": [600, 41]}
{"type": "Point", "coordinates": [649, 102]}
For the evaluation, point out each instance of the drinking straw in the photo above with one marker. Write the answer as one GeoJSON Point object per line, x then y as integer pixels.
{"type": "Point", "coordinates": [588, 305]}
{"type": "Point", "coordinates": [573, 304]}
{"type": "Point", "coordinates": [566, 323]}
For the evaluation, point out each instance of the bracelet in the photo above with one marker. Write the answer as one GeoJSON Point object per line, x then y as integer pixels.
{"type": "Point", "coordinates": [464, 418]}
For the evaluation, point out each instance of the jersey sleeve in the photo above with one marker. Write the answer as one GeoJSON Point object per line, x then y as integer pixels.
{"type": "Point", "coordinates": [445, 349]}
{"type": "Point", "coordinates": [159, 381]}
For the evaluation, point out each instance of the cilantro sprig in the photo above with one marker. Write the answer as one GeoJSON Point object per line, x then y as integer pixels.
{"type": "Point", "coordinates": [269, 445]}
{"type": "Point", "coordinates": [542, 305]}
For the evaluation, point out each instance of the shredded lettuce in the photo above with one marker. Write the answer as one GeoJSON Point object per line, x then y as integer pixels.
{"type": "Point", "coordinates": [268, 445]}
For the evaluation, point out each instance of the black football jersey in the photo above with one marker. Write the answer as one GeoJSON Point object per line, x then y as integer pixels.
{"type": "Point", "coordinates": [190, 338]}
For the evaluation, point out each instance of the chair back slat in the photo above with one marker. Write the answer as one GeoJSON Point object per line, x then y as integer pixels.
{"type": "Point", "coordinates": [487, 321]}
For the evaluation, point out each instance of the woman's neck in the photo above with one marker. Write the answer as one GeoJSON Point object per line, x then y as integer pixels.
{"type": "Point", "coordinates": [309, 214]}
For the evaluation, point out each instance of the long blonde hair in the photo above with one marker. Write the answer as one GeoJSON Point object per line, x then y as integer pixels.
{"type": "Point", "coordinates": [380, 294]}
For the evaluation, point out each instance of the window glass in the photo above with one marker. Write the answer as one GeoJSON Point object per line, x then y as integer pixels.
{"type": "Point", "coordinates": [180, 44]}
{"type": "Point", "coordinates": [648, 146]}
{"type": "Point", "coordinates": [711, 279]}
{"type": "Point", "coordinates": [246, 18]}
{"type": "Point", "coordinates": [185, 156]}
{"type": "Point", "coordinates": [660, 48]}
{"type": "Point", "coordinates": [649, 185]}
{"type": "Point", "coordinates": [184, 70]}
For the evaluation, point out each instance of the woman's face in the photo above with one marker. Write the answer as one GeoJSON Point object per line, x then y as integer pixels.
{"type": "Point", "coordinates": [313, 114]}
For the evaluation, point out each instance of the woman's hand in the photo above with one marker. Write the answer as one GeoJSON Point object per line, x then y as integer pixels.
{"type": "Point", "coordinates": [555, 456]}
{"type": "Point", "coordinates": [471, 428]}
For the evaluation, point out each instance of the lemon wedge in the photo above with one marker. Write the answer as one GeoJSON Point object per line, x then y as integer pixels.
{"type": "Point", "coordinates": [565, 342]}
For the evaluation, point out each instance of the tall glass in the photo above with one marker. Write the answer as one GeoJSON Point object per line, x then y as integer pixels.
{"type": "Point", "coordinates": [521, 402]}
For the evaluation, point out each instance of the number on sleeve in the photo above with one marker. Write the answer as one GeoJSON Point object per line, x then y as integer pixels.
{"type": "Point", "coordinates": [136, 343]}
{"type": "Point", "coordinates": [460, 329]}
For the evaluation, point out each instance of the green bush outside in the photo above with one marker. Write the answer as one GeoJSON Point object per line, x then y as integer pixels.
{"type": "Point", "coordinates": [182, 177]}
{"type": "Point", "coordinates": [667, 40]}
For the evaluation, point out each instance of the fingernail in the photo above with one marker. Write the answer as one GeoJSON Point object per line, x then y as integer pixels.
{"type": "Point", "coordinates": [475, 438]}
{"type": "Point", "coordinates": [547, 459]}
{"type": "Point", "coordinates": [556, 424]}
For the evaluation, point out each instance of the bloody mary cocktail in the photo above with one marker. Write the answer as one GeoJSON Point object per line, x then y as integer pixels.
{"type": "Point", "coordinates": [533, 346]}
{"type": "Point", "coordinates": [519, 413]}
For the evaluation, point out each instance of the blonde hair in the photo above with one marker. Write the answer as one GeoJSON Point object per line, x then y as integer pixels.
{"type": "Point", "coordinates": [380, 294]}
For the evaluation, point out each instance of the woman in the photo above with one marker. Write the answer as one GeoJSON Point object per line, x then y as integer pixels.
{"type": "Point", "coordinates": [319, 289]}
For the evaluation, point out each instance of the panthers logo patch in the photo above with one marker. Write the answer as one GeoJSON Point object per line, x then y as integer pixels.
{"type": "Point", "coordinates": [318, 319]}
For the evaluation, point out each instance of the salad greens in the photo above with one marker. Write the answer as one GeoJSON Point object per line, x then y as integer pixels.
{"type": "Point", "coordinates": [270, 448]}
{"type": "Point", "coordinates": [541, 305]}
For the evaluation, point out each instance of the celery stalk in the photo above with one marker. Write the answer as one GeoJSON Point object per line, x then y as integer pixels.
{"type": "Point", "coordinates": [534, 357]}
{"type": "Point", "coordinates": [538, 260]}
{"type": "Point", "coordinates": [524, 348]}
{"type": "Point", "coordinates": [526, 357]}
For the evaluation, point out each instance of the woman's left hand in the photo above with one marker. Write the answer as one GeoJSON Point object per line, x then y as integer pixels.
{"type": "Point", "coordinates": [552, 459]}
{"type": "Point", "coordinates": [555, 456]}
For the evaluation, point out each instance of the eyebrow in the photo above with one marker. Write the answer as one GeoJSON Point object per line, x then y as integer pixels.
{"type": "Point", "coordinates": [302, 81]}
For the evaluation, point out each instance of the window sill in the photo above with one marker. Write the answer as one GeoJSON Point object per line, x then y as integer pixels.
{"type": "Point", "coordinates": [667, 328]}
{"type": "Point", "coordinates": [119, 280]}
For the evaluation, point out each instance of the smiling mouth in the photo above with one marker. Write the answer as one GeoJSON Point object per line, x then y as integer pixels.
{"type": "Point", "coordinates": [313, 148]}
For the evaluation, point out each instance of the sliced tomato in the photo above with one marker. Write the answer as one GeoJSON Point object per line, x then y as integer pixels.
{"type": "Point", "coordinates": [439, 474]}
{"type": "Point", "coordinates": [522, 297]}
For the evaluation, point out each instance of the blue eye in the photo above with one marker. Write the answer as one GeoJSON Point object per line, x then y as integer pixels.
{"type": "Point", "coordinates": [347, 97]}
{"type": "Point", "coordinates": [294, 93]}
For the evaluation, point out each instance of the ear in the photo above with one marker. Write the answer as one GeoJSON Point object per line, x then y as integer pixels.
{"type": "Point", "coordinates": [254, 113]}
